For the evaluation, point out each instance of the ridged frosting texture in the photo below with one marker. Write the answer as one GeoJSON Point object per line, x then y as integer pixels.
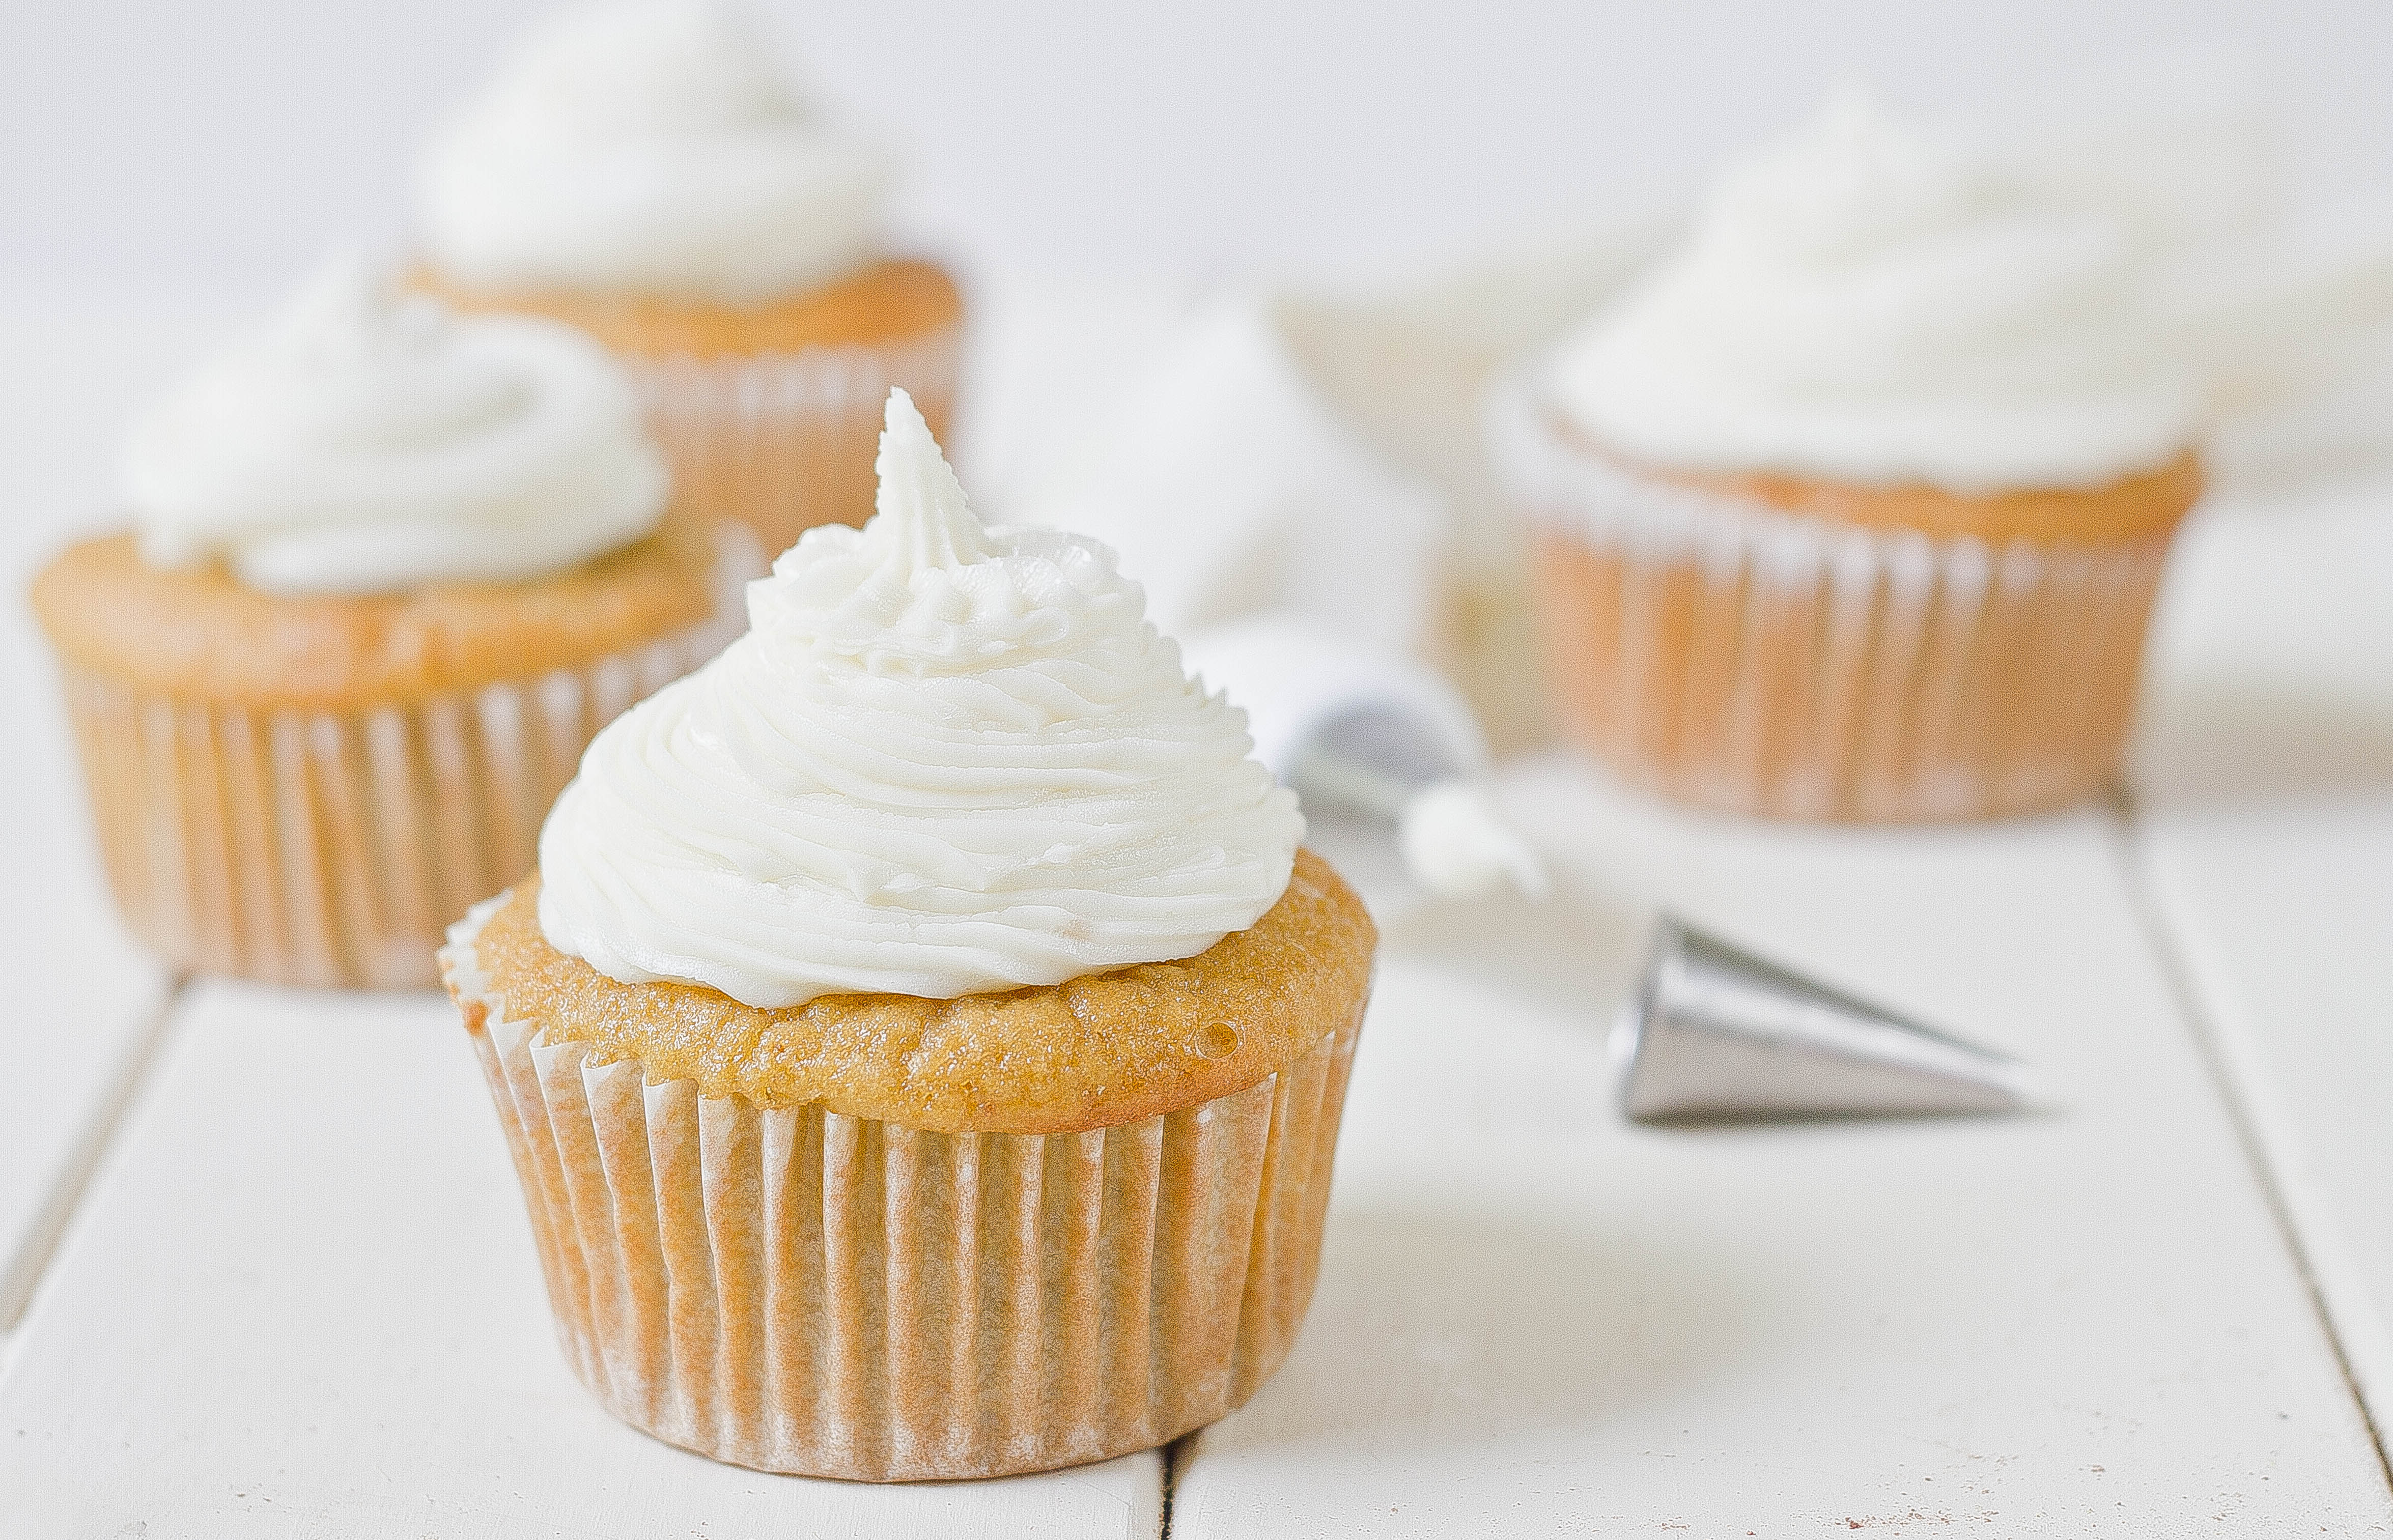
{"type": "Point", "coordinates": [369, 441]}
{"type": "Point", "coordinates": [1866, 302]}
{"type": "Point", "coordinates": [946, 758]}
{"type": "Point", "coordinates": [648, 149]}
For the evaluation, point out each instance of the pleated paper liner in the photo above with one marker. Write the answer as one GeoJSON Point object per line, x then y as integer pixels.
{"type": "Point", "coordinates": [785, 441]}
{"type": "Point", "coordinates": [1727, 654]}
{"type": "Point", "coordinates": [334, 847]}
{"type": "Point", "coordinates": [799, 1291]}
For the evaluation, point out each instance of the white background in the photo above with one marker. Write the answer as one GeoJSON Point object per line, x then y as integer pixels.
{"type": "Point", "coordinates": [159, 146]}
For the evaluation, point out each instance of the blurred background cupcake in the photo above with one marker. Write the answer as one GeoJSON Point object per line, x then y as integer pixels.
{"type": "Point", "coordinates": [389, 571]}
{"type": "Point", "coordinates": [1856, 507]}
{"type": "Point", "coordinates": [644, 172]}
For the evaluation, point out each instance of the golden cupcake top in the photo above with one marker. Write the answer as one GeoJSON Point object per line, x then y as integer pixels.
{"type": "Point", "coordinates": [2138, 506]}
{"type": "Point", "coordinates": [198, 633]}
{"type": "Point", "coordinates": [1107, 1047]}
{"type": "Point", "coordinates": [892, 300]}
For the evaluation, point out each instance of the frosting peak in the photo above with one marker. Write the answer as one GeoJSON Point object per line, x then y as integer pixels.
{"type": "Point", "coordinates": [648, 147]}
{"type": "Point", "coordinates": [1866, 301]}
{"type": "Point", "coordinates": [922, 506]}
{"type": "Point", "coordinates": [946, 758]}
{"type": "Point", "coordinates": [369, 441]}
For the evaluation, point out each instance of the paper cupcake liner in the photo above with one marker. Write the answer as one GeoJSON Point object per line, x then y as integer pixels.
{"type": "Point", "coordinates": [784, 441]}
{"type": "Point", "coordinates": [1734, 657]}
{"type": "Point", "coordinates": [318, 847]}
{"type": "Point", "coordinates": [799, 1291]}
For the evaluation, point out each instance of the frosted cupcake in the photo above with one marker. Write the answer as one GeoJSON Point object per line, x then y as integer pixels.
{"type": "Point", "coordinates": [923, 1040]}
{"type": "Point", "coordinates": [389, 570]}
{"type": "Point", "coordinates": [1856, 508]}
{"type": "Point", "coordinates": [644, 172]}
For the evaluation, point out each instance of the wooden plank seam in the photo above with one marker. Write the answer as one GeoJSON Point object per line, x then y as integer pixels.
{"type": "Point", "coordinates": [72, 1181]}
{"type": "Point", "coordinates": [2345, 1314]}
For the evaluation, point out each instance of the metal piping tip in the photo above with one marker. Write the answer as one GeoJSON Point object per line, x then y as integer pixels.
{"type": "Point", "coordinates": [1714, 1033]}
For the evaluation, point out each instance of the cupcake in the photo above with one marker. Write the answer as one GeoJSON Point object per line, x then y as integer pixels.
{"type": "Point", "coordinates": [1855, 508]}
{"type": "Point", "coordinates": [389, 569]}
{"type": "Point", "coordinates": [642, 171]}
{"type": "Point", "coordinates": [922, 1042]}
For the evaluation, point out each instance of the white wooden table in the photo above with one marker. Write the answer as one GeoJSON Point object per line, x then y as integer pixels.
{"type": "Point", "coordinates": [299, 1298]}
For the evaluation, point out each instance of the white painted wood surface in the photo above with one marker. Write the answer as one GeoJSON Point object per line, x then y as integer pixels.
{"type": "Point", "coordinates": [1535, 1320]}
{"type": "Point", "coordinates": [302, 1301]}
{"type": "Point", "coordinates": [2265, 828]}
{"type": "Point", "coordinates": [83, 997]}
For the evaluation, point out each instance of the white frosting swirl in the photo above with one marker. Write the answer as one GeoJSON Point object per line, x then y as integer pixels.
{"type": "Point", "coordinates": [945, 759]}
{"type": "Point", "coordinates": [1862, 302]}
{"type": "Point", "coordinates": [648, 148]}
{"type": "Point", "coordinates": [370, 441]}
